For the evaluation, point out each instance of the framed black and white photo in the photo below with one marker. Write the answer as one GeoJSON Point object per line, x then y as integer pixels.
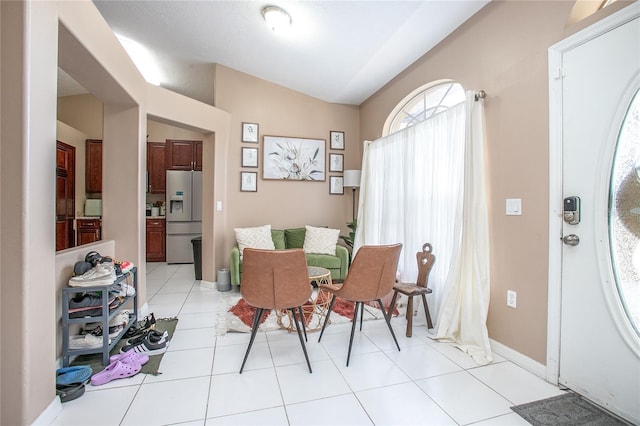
{"type": "Point", "coordinates": [287, 158]}
{"type": "Point", "coordinates": [336, 162]}
{"type": "Point", "coordinates": [337, 139]}
{"type": "Point", "coordinates": [336, 185]}
{"type": "Point", "coordinates": [250, 132]}
{"type": "Point", "coordinates": [249, 157]}
{"type": "Point", "coordinates": [249, 181]}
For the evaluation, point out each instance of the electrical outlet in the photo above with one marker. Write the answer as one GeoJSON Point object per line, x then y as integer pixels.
{"type": "Point", "coordinates": [512, 297]}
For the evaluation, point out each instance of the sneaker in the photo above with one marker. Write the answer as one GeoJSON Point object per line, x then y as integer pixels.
{"type": "Point", "coordinates": [153, 336]}
{"type": "Point", "coordinates": [123, 266]}
{"type": "Point", "coordinates": [121, 319]}
{"type": "Point", "coordinates": [137, 329]}
{"type": "Point", "coordinates": [97, 331]}
{"type": "Point", "coordinates": [85, 341]}
{"type": "Point", "coordinates": [102, 274]}
{"type": "Point", "coordinates": [85, 300]}
{"type": "Point", "coordinates": [146, 347]}
{"type": "Point", "coordinates": [123, 290]}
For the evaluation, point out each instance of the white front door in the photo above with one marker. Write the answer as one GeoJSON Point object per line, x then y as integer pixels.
{"type": "Point", "coordinates": [598, 79]}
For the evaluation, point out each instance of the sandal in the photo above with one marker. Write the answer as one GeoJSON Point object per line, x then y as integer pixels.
{"type": "Point", "coordinates": [71, 375]}
{"type": "Point", "coordinates": [130, 357]}
{"type": "Point", "coordinates": [115, 370]}
{"type": "Point", "coordinates": [70, 392]}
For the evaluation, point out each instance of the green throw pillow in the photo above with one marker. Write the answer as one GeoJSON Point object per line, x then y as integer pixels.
{"type": "Point", "coordinates": [294, 238]}
{"type": "Point", "coordinates": [278, 238]}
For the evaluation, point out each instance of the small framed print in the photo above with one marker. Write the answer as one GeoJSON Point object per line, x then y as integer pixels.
{"type": "Point", "coordinates": [335, 162]}
{"type": "Point", "coordinates": [336, 185]}
{"type": "Point", "coordinates": [249, 157]}
{"type": "Point", "coordinates": [337, 139]}
{"type": "Point", "coordinates": [249, 181]}
{"type": "Point", "coordinates": [250, 132]}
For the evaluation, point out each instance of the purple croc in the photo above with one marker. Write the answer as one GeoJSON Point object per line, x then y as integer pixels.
{"type": "Point", "coordinates": [115, 370]}
{"type": "Point", "coordinates": [130, 357]}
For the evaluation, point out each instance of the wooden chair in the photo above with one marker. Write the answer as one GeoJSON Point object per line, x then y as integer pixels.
{"type": "Point", "coordinates": [275, 279]}
{"type": "Point", "coordinates": [425, 259]}
{"type": "Point", "coordinates": [370, 277]}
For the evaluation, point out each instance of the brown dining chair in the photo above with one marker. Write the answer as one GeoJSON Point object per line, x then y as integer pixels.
{"type": "Point", "coordinates": [275, 279]}
{"type": "Point", "coordinates": [425, 259]}
{"type": "Point", "coordinates": [371, 277]}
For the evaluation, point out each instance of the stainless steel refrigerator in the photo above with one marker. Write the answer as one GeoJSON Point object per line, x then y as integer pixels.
{"type": "Point", "coordinates": [183, 214]}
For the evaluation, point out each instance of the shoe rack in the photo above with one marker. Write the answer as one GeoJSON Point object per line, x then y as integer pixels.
{"type": "Point", "coordinates": [106, 315]}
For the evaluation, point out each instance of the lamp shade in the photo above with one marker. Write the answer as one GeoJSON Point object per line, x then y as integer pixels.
{"type": "Point", "coordinates": [351, 178]}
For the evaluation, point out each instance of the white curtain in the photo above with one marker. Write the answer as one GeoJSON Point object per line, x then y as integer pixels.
{"type": "Point", "coordinates": [462, 317]}
{"type": "Point", "coordinates": [426, 183]}
{"type": "Point", "coordinates": [411, 183]}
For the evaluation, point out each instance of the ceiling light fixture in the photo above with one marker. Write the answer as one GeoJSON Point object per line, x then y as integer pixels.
{"type": "Point", "coordinates": [277, 18]}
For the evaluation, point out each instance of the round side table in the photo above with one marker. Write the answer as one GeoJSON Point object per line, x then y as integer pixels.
{"type": "Point", "coordinates": [315, 309]}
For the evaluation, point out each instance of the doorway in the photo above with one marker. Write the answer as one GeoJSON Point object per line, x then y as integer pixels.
{"type": "Point", "coordinates": [593, 344]}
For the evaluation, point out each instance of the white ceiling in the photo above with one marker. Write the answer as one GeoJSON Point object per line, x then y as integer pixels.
{"type": "Point", "coordinates": [337, 51]}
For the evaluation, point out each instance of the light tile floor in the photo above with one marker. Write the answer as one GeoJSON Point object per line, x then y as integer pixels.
{"type": "Point", "coordinates": [426, 383]}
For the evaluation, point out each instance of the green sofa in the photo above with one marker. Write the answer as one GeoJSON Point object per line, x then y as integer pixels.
{"type": "Point", "coordinates": [338, 264]}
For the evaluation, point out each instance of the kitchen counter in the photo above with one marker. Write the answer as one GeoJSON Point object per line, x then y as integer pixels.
{"type": "Point", "coordinates": [156, 217]}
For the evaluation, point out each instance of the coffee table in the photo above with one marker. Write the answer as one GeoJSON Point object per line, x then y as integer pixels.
{"type": "Point", "coordinates": [315, 310]}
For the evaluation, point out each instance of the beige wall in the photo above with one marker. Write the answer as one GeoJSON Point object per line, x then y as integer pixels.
{"type": "Point", "coordinates": [503, 50]}
{"type": "Point", "coordinates": [160, 132]}
{"type": "Point", "coordinates": [74, 36]}
{"type": "Point", "coordinates": [83, 113]}
{"type": "Point", "coordinates": [283, 112]}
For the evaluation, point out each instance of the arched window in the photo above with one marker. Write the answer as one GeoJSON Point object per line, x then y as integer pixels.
{"type": "Point", "coordinates": [423, 103]}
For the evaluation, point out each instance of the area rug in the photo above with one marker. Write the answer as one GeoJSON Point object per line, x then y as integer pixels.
{"type": "Point", "coordinates": [235, 315]}
{"type": "Point", "coordinates": [151, 367]}
{"type": "Point", "coordinates": [568, 409]}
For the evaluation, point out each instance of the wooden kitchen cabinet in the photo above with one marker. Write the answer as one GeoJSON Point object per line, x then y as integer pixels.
{"type": "Point", "coordinates": [156, 240]}
{"type": "Point", "coordinates": [93, 166]}
{"type": "Point", "coordinates": [183, 155]}
{"type": "Point", "coordinates": [156, 167]}
{"type": "Point", "coordinates": [88, 231]}
{"type": "Point", "coordinates": [197, 161]}
{"type": "Point", "coordinates": [65, 195]}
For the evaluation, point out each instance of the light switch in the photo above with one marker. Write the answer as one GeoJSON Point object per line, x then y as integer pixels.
{"type": "Point", "coordinates": [219, 206]}
{"type": "Point", "coordinates": [514, 207]}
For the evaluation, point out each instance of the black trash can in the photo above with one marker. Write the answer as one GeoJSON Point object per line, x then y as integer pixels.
{"type": "Point", "coordinates": [197, 256]}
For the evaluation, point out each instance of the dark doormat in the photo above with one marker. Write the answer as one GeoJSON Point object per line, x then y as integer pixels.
{"type": "Point", "coordinates": [568, 409]}
{"type": "Point", "coordinates": [151, 367]}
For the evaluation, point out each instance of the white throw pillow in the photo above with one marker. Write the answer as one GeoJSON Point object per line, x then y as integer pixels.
{"type": "Point", "coordinates": [320, 240]}
{"type": "Point", "coordinates": [258, 237]}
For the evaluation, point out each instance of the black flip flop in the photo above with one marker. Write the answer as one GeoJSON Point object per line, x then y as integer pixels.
{"type": "Point", "coordinates": [70, 392]}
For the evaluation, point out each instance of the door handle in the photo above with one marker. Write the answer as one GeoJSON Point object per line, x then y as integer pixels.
{"type": "Point", "coordinates": [571, 240]}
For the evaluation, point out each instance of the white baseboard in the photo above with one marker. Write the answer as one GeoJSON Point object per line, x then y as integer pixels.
{"type": "Point", "coordinates": [208, 284]}
{"type": "Point", "coordinates": [519, 359]}
{"type": "Point", "coordinates": [49, 413]}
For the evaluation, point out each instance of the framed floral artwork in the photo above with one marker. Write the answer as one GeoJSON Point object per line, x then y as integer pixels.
{"type": "Point", "coordinates": [249, 181]}
{"type": "Point", "coordinates": [287, 158]}
{"type": "Point", "coordinates": [250, 132]}
{"type": "Point", "coordinates": [336, 162]}
{"type": "Point", "coordinates": [336, 185]}
{"type": "Point", "coordinates": [337, 139]}
{"type": "Point", "coordinates": [249, 157]}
